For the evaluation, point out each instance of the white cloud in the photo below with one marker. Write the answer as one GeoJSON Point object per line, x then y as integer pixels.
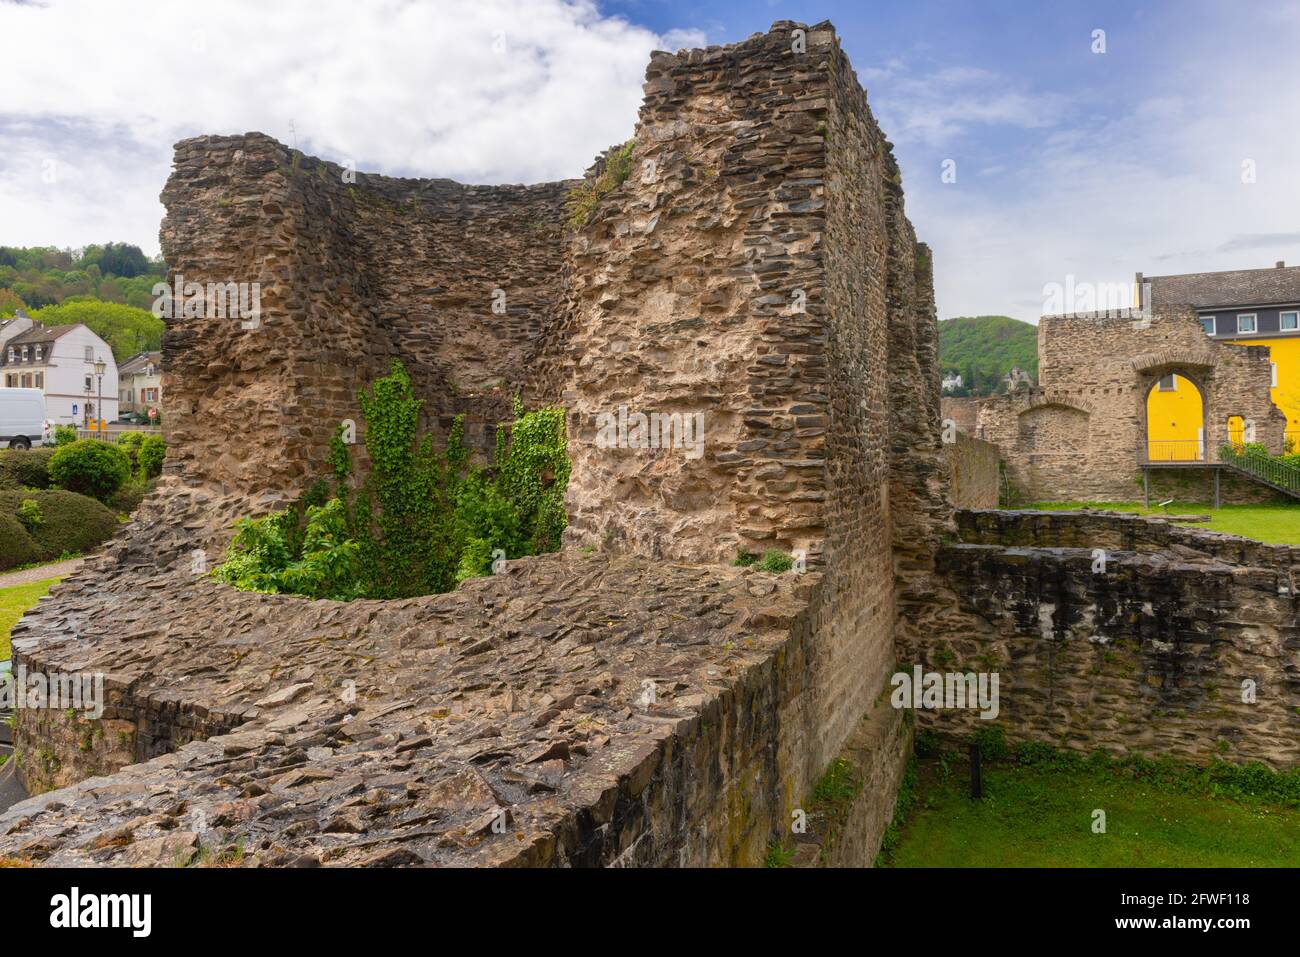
{"type": "Point", "coordinates": [1153, 184]}
{"type": "Point", "coordinates": [474, 90]}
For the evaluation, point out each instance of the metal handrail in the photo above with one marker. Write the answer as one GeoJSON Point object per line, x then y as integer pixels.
{"type": "Point", "coordinates": [1175, 450]}
{"type": "Point", "coordinates": [1263, 466]}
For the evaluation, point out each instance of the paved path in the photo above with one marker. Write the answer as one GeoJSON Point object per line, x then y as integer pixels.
{"type": "Point", "coordinates": [29, 575]}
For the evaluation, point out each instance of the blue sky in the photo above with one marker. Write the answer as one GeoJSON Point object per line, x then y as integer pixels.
{"type": "Point", "coordinates": [1069, 163]}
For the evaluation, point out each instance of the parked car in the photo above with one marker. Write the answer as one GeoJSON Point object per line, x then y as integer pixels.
{"type": "Point", "coordinates": [22, 418]}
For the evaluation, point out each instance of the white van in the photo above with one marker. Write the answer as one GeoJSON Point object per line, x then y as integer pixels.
{"type": "Point", "coordinates": [22, 418]}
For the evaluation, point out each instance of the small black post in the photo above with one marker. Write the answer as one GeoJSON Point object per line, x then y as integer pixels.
{"type": "Point", "coordinates": [976, 774]}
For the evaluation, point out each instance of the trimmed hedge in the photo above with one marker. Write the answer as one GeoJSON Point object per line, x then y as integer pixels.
{"type": "Point", "coordinates": [70, 523]}
{"type": "Point", "coordinates": [25, 468]}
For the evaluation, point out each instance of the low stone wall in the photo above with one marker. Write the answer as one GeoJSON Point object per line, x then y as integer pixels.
{"type": "Point", "coordinates": [1197, 485]}
{"type": "Point", "coordinates": [1117, 530]}
{"type": "Point", "coordinates": [1181, 643]}
{"type": "Point", "coordinates": [973, 472]}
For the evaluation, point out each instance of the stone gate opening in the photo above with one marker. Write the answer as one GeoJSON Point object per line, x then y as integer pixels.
{"type": "Point", "coordinates": [1175, 420]}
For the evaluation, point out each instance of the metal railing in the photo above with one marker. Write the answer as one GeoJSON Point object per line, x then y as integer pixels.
{"type": "Point", "coordinates": [1175, 450]}
{"type": "Point", "coordinates": [1263, 466]}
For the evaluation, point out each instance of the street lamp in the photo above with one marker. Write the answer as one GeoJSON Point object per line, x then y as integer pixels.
{"type": "Point", "coordinates": [99, 407]}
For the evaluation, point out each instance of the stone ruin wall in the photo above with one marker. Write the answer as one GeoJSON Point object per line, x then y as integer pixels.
{"type": "Point", "coordinates": [355, 270]}
{"type": "Point", "coordinates": [1079, 434]}
{"type": "Point", "coordinates": [821, 435]}
{"type": "Point", "coordinates": [1144, 655]}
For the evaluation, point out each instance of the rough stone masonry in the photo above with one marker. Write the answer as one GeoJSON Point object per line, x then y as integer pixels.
{"type": "Point", "coordinates": [642, 703]}
{"type": "Point", "coordinates": [633, 700]}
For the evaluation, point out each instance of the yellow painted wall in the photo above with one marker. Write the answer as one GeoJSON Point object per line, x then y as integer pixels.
{"type": "Point", "coordinates": [1286, 394]}
{"type": "Point", "coordinates": [1175, 416]}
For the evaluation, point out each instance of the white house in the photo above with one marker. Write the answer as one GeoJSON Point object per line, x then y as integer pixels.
{"type": "Point", "coordinates": [70, 364]}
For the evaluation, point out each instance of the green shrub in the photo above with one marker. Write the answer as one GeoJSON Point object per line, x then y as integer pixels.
{"type": "Point", "coordinates": [583, 200]}
{"type": "Point", "coordinates": [992, 742]}
{"type": "Point", "coordinates": [152, 452]}
{"type": "Point", "coordinates": [130, 444]}
{"type": "Point", "coordinates": [16, 546]}
{"type": "Point", "coordinates": [776, 561]}
{"type": "Point", "coordinates": [29, 513]}
{"type": "Point", "coordinates": [422, 520]}
{"type": "Point", "coordinates": [90, 467]}
{"type": "Point", "coordinates": [65, 434]}
{"type": "Point", "coordinates": [25, 468]}
{"type": "Point", "coordinates": [70, 524]}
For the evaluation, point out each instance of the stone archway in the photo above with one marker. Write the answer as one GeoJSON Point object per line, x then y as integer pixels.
{"type": "Point", "coordinates": [1194, 369]}
{"type": "Point", "coordinates": [1177, 423]}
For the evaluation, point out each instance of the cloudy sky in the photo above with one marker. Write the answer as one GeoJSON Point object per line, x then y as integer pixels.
{"type": "Point", "coordinates": [1177, 149]}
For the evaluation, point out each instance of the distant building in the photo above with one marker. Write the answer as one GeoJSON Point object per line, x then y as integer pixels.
{"type": "Point", "coordinates": [1016, 378]}
{"type": "Point", "coordinates": [952, 381]}
{"type": "Point", "coordinates": [140, 384]}
{"type": "Point", "coordinates": [60, 361]}
{"type": "Point", "coordinates": [1248, 307]}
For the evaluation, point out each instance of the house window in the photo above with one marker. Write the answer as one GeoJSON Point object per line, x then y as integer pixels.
{"type": "Point", "coordinates": [9, 382]}
{"type": "Point", "coordinates": [38, 353]}
{"type": "Point", "coordinates": [24, 353]}
{"type": "Point", "coordinates": [1246, 322]}
{"type": "Point", "coordinates": [87, 383]}
{"type": "Point", "coordinates": [90, 353]}
{"type": "Point", "coordinates": [1288, 321]}
{"type": "Point", "coordinates": [1168, 383]}
{"type": "Point", "coordinates": [40, 380]}
{"type": "Point", "coordinates": [1207, 323]}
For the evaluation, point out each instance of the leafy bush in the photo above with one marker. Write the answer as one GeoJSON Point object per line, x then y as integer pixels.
{"type": "Point", "coordinates": [65, 434]}
{"type": "Point", "coordinates": [422, 520]}
{"type": "Point", "coordinates": [775, 561]}
{"type": "Point", "coordinates": [29, 513]}
{"type": "Point", "coordinates": [25, 468]}
{"type": "Point", "coordinates": [583, 200]}
{"type": "Point", "coordinates": [152, 452]}
{"type": "Point", "coordinates": [130, 444]}
{"type": "Point", "coordinates": [69, 524]}
{"type": "Point", "coordinates": [90, 467]}
{"type": "Point", "coordinates": [16, 546]}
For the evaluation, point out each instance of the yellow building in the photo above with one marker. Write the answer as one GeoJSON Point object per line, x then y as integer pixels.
{"type": "Point", "coordinates": [1248, 307]}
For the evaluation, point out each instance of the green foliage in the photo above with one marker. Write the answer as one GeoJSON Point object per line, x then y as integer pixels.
{"type": "Point", "coordinates": [29, 513]}
{"type": "Point", "coordinates": [153, 449]}
{"type": "Point", "coordinates": [65, 434]}
{"type": "Point", "coordinates": [776, 561]}
{"type": "Point", "coordinates": [130, 444]}
{"type": "Point", "coordinates": [745, 559]}
{"type": "Point", "coordinates": [35, 277]}
{"type": "Point", "coordinates": [25, 468]}
{"type": "Point", "coordinates": [778, 856]}
{"type": "Point", "coordinates": [69, 524]}
{"type": "Point", "coordinates": [90, 467]}
{"type": "Point", "coordinates": [422, 520]}
{"type": "Point", "coordinates": [984, 348]}
{"type": "Point", "coordinates": [128, 330]}
{"type": "Point", "coordinates": [907, 794]}
{"type": "Point", "coordinates": [992, 742]}
{"type": "Point", "coordinates": [583, 200]}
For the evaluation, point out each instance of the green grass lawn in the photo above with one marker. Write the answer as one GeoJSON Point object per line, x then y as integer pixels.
{"type": "Point", "coordinates": [1042, 816]}
{"type": "Point", "coordinates": [1275, 524]}
{"type": "Point", "coordinates": [14, 603]}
